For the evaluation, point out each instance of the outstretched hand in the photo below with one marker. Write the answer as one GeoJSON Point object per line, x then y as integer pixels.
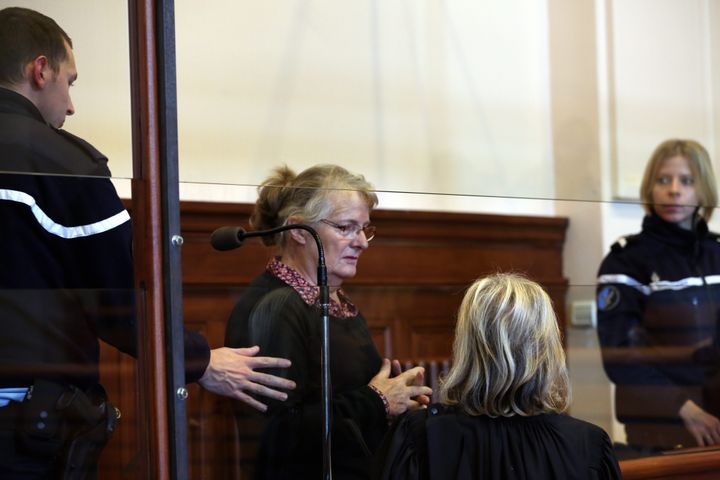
{"type": "Point", "coordinates": [403, 391]}
{"type": "Point", "coordinates": [231, 372]}
{"type": "Point", "coordinates": [704, 427]}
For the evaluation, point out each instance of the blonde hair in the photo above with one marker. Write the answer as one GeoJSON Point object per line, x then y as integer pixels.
{"type": "Point", "coordinates": [700, 166]}
{"type": "Point", "coordinates": [309, 196]}
{"type": "Point", "coordinates": [507, 356]}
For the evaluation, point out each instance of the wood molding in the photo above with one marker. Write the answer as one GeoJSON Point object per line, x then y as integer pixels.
{"type": "Point", "coordinates": [147, 244]}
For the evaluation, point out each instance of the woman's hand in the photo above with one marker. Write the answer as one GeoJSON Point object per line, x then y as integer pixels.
{"type": "Point", "coordinates": [705, 428]}
{"type": "Point", "coordinates": [403, 391]}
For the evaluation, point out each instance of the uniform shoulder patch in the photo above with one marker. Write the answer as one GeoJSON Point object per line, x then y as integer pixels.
{"type": "Point", "coordinates": [608, 298]}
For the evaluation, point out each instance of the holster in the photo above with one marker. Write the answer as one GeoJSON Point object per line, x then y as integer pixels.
{"type": "Point", "coordinates": [63, 422]}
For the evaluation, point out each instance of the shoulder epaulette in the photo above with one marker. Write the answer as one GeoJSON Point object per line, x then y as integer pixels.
{"type": "Point", "coordinates": [623, 242]}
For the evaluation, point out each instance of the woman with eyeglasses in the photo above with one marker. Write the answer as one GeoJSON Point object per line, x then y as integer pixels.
{"type": "Point", "coordinates": [279, 312]}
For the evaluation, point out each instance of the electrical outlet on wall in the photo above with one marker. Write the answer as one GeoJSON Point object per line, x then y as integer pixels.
{"type": "Point", "coordinates": [584, 314]}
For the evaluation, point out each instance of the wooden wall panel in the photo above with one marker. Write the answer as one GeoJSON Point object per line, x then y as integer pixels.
{"type": "Point", "coordinates": [410, 281]}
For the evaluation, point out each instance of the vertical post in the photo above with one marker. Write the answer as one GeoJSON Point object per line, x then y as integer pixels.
{"type": "Point", "coordinates": [155, 205]}
{"type": "Point", "coordinates": [172, 241]}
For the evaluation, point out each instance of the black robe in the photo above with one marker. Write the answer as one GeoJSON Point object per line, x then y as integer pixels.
{"type": "Point", "coordinates": [440, 443]}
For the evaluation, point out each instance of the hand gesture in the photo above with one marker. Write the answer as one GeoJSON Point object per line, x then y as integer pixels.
{"type": "Point", "coordinates": [231, 373]}
{"type": "Point", "coordinates": [404, 391]}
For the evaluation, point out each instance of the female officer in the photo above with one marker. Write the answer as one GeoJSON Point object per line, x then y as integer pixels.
{"type": "Point", "coordinates": [658, 296]}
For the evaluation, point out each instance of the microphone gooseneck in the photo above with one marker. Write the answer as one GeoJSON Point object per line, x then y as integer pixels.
{"type": "Point", "coordinates": [228, 238]}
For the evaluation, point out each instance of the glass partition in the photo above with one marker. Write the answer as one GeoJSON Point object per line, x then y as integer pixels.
{"type": "Point", "coordinates": [504, 137]}
{"type": "Point", "coordinates": [418, 96]}
{"type": "Point", "coordinates": [71, 314]}
{"type": "Point", "coordinates": [480, 125]}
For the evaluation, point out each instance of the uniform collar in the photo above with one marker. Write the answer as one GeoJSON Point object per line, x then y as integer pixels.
{"type": "Point", "coordinates": [13, 102]}
{"type": "Point", "coordinates": [672, 234]}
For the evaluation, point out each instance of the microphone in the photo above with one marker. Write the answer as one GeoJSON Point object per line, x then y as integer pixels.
{"type": "Point", "coordinates": [227, 238]}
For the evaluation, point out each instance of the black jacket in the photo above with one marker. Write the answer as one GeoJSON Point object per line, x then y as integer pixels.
{"type": "Point", "coordinates": [273, 315]}
{"type": "Point", "coordinates": [658, 296]}
{"type": "Point", "coordinates": [66, 268]}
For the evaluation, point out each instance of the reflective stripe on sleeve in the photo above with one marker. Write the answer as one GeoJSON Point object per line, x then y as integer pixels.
{"type": "Point", "coordinates": [660, 285]}
{"type": "Point", "coordinates": [621, 279]}
{"type": "Point", "coordinates": [60, 230]}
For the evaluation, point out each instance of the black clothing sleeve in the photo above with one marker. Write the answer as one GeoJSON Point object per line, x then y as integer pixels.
{"type": "Point", "coordinates": [403, 452]}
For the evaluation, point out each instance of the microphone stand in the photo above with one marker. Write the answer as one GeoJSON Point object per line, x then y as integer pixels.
{"type": "Point", "coordinates": [324, 298]}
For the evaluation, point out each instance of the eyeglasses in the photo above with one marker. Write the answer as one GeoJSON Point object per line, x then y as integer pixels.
{"type": "Point", "coordinates": [352, 230]}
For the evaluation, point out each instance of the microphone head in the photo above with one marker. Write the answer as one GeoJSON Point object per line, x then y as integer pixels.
{"type": "Point", "coordinates": [227, 238]}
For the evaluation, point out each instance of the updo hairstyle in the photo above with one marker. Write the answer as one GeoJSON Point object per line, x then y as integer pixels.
{"type": "Point", "coordinates": [309, 196]}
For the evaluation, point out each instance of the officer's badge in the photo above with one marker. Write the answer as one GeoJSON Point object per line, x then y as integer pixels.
{"type": "Point", "coordinates": [608, 298]}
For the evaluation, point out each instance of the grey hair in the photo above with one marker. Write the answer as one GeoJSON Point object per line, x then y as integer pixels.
{"type": "Point", "coordinates": [308, 196]}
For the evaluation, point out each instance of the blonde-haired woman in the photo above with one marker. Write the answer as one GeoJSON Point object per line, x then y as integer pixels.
{"type": "Point", "coordinates": [500, 414]}
{"type": "Point", "coordinates": [658, 302]}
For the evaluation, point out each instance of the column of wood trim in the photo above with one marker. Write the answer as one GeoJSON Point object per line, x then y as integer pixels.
{"type": "Point", "coordinates": [147, 222]}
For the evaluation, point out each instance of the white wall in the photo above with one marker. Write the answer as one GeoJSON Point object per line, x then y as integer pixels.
{"type": "Point", "coordinates": [415, 95]}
